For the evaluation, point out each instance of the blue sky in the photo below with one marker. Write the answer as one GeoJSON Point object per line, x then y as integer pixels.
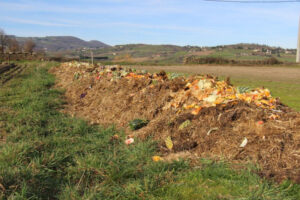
{"type": "Point", "coordinates": [180, 22]}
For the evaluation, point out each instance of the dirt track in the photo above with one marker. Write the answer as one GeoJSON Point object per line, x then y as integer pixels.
{"type": "Point", "coordinates": [287, 74]}
{"type": "Point", "coordinates": [7, 72]}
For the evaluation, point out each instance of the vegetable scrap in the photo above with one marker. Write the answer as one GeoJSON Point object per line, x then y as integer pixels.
{"type": "Point", "coordinates": [242, 89]}
{"type": "Point", "coordinates": [184, 124]}
{"type": "Point", "coordinates": [260, 122]}
{"type": "Point", "coordinates": [200, 91]}
{"type": "Point", "coordinates": [115, 137]}
{"type": "Point", "coordinates": [274, 116]}
{"type": "Point", "coordinates": [169, 143]}
{"type": "Point", "coordinates": [207, 91]}
{"type": "Point", "coordinates": [137, 124]}
{"type": "Point", "coordinates": [129, 141]}
{"type": "Point", "coordinates": [157, 158]}
{"type": "Point", "coordinates": [83, 95]}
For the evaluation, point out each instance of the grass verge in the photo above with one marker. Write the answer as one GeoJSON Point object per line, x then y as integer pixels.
{"type": "Point", "coordinates": [48, 155]}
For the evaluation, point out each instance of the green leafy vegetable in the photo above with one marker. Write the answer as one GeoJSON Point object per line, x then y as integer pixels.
{"type": "Point", "coordinates": [243, 89]}
{"type": "Point", "coordinates": [137, 124]}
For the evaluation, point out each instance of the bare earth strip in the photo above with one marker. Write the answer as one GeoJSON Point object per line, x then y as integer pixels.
{"type": "Point", "coordinates": [262, 73]}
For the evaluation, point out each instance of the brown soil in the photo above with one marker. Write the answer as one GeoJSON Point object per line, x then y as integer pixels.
{"type": "Point", "coordinates": [274, 144]}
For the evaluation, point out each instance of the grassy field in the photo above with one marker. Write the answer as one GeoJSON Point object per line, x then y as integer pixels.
{"type": "Point", "coordinates": [48, 155]}
{"type": "Point", "coordinates": [238, 54]}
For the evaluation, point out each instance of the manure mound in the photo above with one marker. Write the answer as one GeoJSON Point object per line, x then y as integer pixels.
{"type": "Point", "coordinates": [202, 115]}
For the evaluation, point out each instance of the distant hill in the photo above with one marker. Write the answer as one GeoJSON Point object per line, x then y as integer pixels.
{"type": "Point", "coordinates": [62, 43]}
{"type": "Point", "coordinates": [172, 54]}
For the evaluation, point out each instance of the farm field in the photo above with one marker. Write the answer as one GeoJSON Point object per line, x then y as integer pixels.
{"type": "Point", "coordinates": [244, 54]}
{"type": "Point", "coordinates": [48, 154]}
{"type": "Point", "coordinates": [144, 54]}
{"type": "Point", "coordinates": [284, 82]}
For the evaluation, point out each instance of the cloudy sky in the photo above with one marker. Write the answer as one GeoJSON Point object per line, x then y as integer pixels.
{"type": "Point", "coordinates": [181, 22]}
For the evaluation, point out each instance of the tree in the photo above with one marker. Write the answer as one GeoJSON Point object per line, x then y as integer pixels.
{"type": "Point", "coordinates": [13, 45]}
{"type": "Point", "coordinates": [29, 46]}
{"type": "Point", "coordinates": [3, 40]}
{"type": "Point", "coordinates": [41, 53]}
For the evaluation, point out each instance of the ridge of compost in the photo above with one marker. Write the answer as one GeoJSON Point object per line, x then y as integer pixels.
{"type": "Point", "coordinates": [200, 114]}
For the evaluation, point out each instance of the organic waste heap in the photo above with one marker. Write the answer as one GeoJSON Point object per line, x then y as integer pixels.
{"type": "Point", "coordinates": [198, 116]}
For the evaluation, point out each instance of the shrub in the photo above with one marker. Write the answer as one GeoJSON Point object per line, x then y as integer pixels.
{"type": "Point", "coordinates": [222, 61]}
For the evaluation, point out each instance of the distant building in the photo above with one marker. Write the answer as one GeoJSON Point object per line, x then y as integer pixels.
{"type": "Point", "coordinates": [288, 52]}
{"type": "Point", "coordinates": [244, 54]}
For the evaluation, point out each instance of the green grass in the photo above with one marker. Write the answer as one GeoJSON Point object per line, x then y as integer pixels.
{"type": "Point", "coordinates": [233, 54]}
{"type": "Point", "coordinates": [219, 181]}
{"type": "Point", "coordinates": [49, 155]}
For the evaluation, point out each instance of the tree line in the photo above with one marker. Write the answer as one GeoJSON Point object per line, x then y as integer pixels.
{"type": "Point", "coordinates": [9, 44]}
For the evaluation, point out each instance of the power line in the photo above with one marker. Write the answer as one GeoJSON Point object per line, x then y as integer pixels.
{"type": "Point", "coordinates": [254, 1]}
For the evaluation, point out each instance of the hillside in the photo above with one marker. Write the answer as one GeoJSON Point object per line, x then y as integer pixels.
{"type": "Point", "coordinates": [62, 43]}
{"type": "Point", "coordinates": [145, 53]}
{"type": "Point", "coordinates": [172, 54]}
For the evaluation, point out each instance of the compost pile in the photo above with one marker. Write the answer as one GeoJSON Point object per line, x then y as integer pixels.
{"type": "Point", "coordinates": [198, 116]}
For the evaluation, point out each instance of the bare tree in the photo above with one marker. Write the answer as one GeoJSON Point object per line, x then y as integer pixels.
{"type": "Point", "coordinates": [41, 53]}
{"type": "Point", "coordinates": [29, 46]}
{"type": "Point", "coordinates": [13, 45]}
{"type": "Point", "coordinates": [3, 40]}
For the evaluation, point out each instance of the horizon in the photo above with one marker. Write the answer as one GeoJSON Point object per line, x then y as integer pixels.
{"type": "Point", "coordinates": [155, 44]}
{"type": "Point", "coordinates": [155, 22]}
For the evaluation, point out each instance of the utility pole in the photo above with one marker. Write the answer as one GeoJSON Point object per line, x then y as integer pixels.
{"type": "Point", "coordinates": [298, 47]}
{"type": "Point", "coordinates": [92, 57]}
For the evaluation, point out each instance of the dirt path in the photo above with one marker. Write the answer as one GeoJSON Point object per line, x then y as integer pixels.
{"type": "Point", "coordinates": [263, 73]}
